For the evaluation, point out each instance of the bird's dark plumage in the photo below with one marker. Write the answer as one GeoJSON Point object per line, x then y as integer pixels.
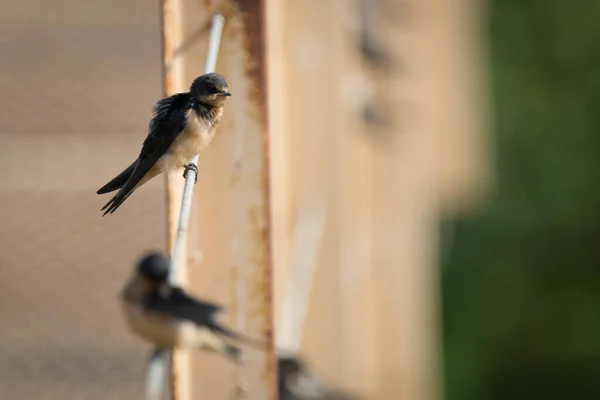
{"type": "Point", "coordinates": [177, 303]}
{"type": "Point", "coordinates": [155, 267]}
{"type": "Point", "coordinates": [288, 367]}
{"type": "Point", "coordinates": [296, 382]}
{"type": "Point", "coordinates": [167, 317]}
{"type": "Point", "coordinates": [170, 120]}
{"type": "Point", "coordinates": [174, 302]}
{"type": "Point", "coordinates": [119, 180]}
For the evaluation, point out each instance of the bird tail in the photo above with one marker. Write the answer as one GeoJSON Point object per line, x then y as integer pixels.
{"type": "Point", "coordinates": [142, 172]}
{"type": "Point", "coordinates": [237, 336]}
{"type": "Point", "coordinates": [117, 200]}
{"type": "Point", "coordinates": [119, 181]}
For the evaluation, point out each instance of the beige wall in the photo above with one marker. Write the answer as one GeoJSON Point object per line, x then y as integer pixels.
{"type": "Point", "coordinates": [77, 83]}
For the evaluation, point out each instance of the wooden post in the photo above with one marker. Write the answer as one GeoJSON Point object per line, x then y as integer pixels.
{"type": "Point", "coordinates": [228, 243]}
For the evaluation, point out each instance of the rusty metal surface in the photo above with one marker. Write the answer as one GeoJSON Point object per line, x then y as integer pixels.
{"type": "Point", "coordinates": [228, 246]}
{"type": "Point", "coordinates": [254, 42]}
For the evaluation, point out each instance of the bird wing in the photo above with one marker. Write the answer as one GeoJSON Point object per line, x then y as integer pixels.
{"type": "Point", "coordinates": [177, 303]}
{"type": "Point", "coordinates": [118, 181]}
{"type": "Point", "coordinates": [167, 123]}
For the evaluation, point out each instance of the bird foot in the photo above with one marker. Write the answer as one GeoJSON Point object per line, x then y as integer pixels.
{"type": "Point", "coordinates": [191, 167]}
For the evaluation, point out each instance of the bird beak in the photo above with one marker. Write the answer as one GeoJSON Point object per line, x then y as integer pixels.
{"type": "Point", "coordinates": [227, 94]}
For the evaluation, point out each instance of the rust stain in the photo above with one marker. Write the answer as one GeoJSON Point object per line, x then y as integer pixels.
{"type": "Point", "coordinates": [262, 287]}
{"type": "Point", "coordinates": [254, 44]}
{"type": "Point", "coordinates": [245, 24]}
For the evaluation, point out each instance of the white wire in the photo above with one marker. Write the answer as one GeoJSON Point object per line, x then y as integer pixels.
{"type": "Point", "coordinates": [190, 177]}
{"type": "Point", "coordinates": [157, 366]}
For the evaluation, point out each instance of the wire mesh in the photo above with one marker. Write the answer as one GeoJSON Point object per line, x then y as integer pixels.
{"type": "Point", "coordinates": [77, 83]}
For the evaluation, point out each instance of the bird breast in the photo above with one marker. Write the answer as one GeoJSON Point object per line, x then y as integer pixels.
{"type": "Point", "coordinates": [158, 330]}
{"type": "Point", "coordinates": [197, 134]}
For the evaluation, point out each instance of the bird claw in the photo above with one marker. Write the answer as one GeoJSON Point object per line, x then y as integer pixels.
{"type": "Point", "coordinates": [191, 167]}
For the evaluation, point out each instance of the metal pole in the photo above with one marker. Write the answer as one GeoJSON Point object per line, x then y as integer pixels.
{"type": "Point", "coordinates": [186, 202]}
{"type": "Point", "coordinates": [155, 375]}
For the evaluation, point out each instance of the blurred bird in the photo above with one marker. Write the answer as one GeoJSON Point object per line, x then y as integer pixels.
{"type": "Point", "coordinates": [182, 125]}
{"type": "Point", "coordinates": [297, 383]}
{"type": "Point", "coordinates": [167, 317]}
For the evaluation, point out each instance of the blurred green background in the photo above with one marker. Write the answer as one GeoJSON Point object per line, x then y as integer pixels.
{"type": "Point", "coordinates": [521, 278]}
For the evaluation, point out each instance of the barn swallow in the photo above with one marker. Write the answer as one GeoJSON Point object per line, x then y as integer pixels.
{"type": "Point", "coordinates": [182, 125]}
{"type": "Point", "coordinates": [296, 382]}
{"type": "Point", "coordinates": [167, 317]}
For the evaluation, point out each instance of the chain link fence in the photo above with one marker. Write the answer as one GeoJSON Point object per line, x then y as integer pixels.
{"type": "Point", "coordinates": [77, 83]}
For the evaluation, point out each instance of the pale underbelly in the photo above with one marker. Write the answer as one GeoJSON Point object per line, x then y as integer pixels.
{"type": "Point", "coordinates": [184, 149]}
{"type": "Point", "coordinates": [163, 331]}
{"type": "Point", "coordinates": [181, 152]}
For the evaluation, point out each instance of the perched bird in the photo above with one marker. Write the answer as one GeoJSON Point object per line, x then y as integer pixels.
{"type": "Point", "coordinates": [296, 382]}
{"type": "Point", "coordinates": [182, 125]}
{"type": "Point", "coordinates": [167, 317]}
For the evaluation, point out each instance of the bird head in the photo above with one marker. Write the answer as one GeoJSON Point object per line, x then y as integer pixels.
{"type": "Point", "coordinates": [210, 89]}
{"type": "Point", "coordinates": [154, 267]}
